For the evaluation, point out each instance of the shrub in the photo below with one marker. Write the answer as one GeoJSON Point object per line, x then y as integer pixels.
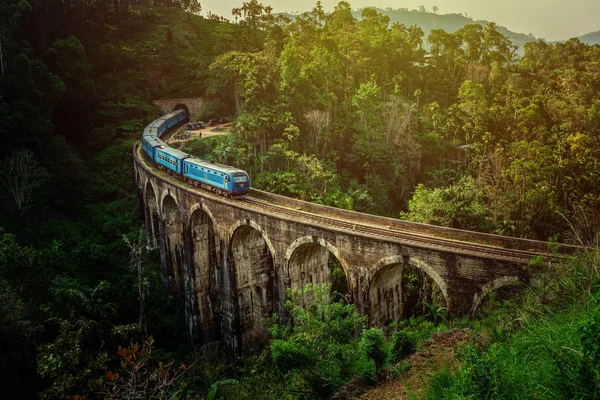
{"type": "Point", "coordinates": [404, 343]}
{"type": "Point", "coordinates": [590, 340]}
{"type": "Point", "coordinates": [374, 346]}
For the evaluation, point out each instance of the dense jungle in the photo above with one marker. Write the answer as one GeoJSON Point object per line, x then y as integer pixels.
{"type": "Point", "coordinates": [457, 128]}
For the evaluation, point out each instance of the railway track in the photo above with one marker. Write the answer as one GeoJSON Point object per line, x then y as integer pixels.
{"type": "Point", "coordinates": [406, 237]}
{"type": "Point", "coordinates": [387, 233]}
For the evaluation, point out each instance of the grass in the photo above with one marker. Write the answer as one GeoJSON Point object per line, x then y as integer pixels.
{"type": "Point", "coordinates": [542, 346]}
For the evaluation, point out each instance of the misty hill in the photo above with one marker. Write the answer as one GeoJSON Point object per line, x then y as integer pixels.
{"type": "Point", "coordinates": [447, 22]}
{"type": "Point", "coordinates": [591, 38]}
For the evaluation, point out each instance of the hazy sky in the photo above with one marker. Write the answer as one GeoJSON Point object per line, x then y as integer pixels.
{"type": "Point", "coordinates": [550, 19]}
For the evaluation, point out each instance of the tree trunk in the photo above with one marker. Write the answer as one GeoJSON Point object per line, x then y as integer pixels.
{"type": "Point", "coordinates": [1, 59]}
{"type": "Point", "coordinates": [142, 293]}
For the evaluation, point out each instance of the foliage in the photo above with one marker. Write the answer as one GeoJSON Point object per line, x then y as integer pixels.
{"type": "Point", "coordinates": [330, 108]}
{"type": "Point", "coordinates": [373, 345]}
{"type": "Point", "coordinates": [141, 376]}
{"type": "Point", "coordinates": [67, 59]}
{"type": "Point", "coordinates": [386, 121]}
{"type": "Point", "coordinates": [590, 341]}
{"type": "Point", "coordinates": [67, 365]}
{"type": "Point", "coordinates": [317, 350]}
{"type": "Point", "coordinates": [543, 345]}
{"type": "Point", "coordinates": [403, 344]}
{"type": "Point", "coordinates": [459, 205]}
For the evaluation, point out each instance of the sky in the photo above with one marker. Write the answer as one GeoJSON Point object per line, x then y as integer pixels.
{"type": "Point", "coordinates": [548, 19]}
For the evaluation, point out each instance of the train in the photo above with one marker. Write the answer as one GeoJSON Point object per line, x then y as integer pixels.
{"type": "Point", "coordinates": [218, 178]}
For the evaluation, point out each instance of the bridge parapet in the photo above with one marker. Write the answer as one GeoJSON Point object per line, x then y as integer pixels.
{"type": "Point", "coordinates": [397, 224]}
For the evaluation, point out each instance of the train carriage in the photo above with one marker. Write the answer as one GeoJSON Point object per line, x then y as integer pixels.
{"type": "Point", "coordinates": [231, 180]}
{"type": "Point", "coordinates": [150, 131]}
{"type": "Point", "coordinates": [150, 143]}
{"type": "Point", "coordinates": [218, 178]}
{"type": "Point", "coordinates": [170, 158]}
{"type": "Point", "coordinates": [160, 125]}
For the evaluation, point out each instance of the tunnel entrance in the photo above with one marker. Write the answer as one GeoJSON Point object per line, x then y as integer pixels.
{"type": "Point", "coordinates": [173, 230]}
{"type": "Point", "coordinates": [313, 263]}
{"type": "Point", "coordinates": [205, 267]}
{"type": "Point", "coordinates": [181, 106]}
{"type": "Point", "coordinates": [254, 276]}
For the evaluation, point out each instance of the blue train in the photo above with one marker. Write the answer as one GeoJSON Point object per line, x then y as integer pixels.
{"type": "Point", "coordinates": [218, 178]}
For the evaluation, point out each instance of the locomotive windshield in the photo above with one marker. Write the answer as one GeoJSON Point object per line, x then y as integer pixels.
{"type": "Point", "coordinates": [240, 178]}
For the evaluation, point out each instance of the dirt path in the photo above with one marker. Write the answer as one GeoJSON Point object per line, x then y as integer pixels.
{"type": "Point", "coordinates": [436, 353]}
{"type": "Point", "coordinates": [220, 130]}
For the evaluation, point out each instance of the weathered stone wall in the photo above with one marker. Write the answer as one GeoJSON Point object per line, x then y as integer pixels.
{"type": "Point", "coordinates": [309, 264]}
{"type": "Point", "coordinates": [238, 262]}
{"type": "Point", "coordinates": [254, 284]}
{"type": "Point", "coordinates": [385, 296]}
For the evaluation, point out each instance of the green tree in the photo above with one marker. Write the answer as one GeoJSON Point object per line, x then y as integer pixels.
{"type": "Point", "coordinates": [67, 59]}
{"type": "Point", "coordinates": [320, 344]}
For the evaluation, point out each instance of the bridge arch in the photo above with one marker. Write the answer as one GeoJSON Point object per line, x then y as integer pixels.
{"type": "Point", "coordinates": [251, 223]}
{"type": "Point", "coordinates": [150, 190]}
{"type": "Point", "coordinates": [490, 287]}
{"type": "Point", "coordinates": [163, 197]}
{"type": "Point", "coordinates": [386, 297]}
{"type": "Point", "coordinates": [204, 208]}
{"type": "Point", "coordinates": [138, 180]}
{"type": "Point", "coordinates": [204, 265]}
{"type": "Point", "coordinates": [251, 259]}
{"type": "Point", "coordinates": [173, 243]}
{"type": "Point", "coordinates": [152, 214]}
{"type": "Point", "coordinates": [307, 261]}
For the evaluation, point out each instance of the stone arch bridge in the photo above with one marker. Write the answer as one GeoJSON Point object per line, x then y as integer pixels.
{"type": "Point", "coordinates": [231, 261]}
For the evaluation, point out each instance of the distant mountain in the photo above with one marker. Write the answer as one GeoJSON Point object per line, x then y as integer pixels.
{"type": "Point", "coordinates": [591, 38]}
{"type": "Point", "coordinates": [447, 22]}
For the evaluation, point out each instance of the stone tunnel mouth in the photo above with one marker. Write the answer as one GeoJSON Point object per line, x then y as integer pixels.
{"type": "Point", "coordinates": [313, 263]}
{"type": "Point", "coordinates": [181, 106]}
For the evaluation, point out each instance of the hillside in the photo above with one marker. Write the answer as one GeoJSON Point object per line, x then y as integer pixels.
{"type": "Point", "coordinates": [429, 21]}
{"type": "Point", "coordinates": [591, 38]}
{"type": "Point", "coordinates": [167, 54]}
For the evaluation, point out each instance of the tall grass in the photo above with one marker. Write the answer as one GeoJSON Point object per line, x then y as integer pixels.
{"type": "Point", "coordinates": [545, 345]}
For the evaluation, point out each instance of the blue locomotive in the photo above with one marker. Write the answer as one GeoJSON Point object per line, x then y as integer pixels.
{"type": "Point", "coordinates": [218, 178]}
